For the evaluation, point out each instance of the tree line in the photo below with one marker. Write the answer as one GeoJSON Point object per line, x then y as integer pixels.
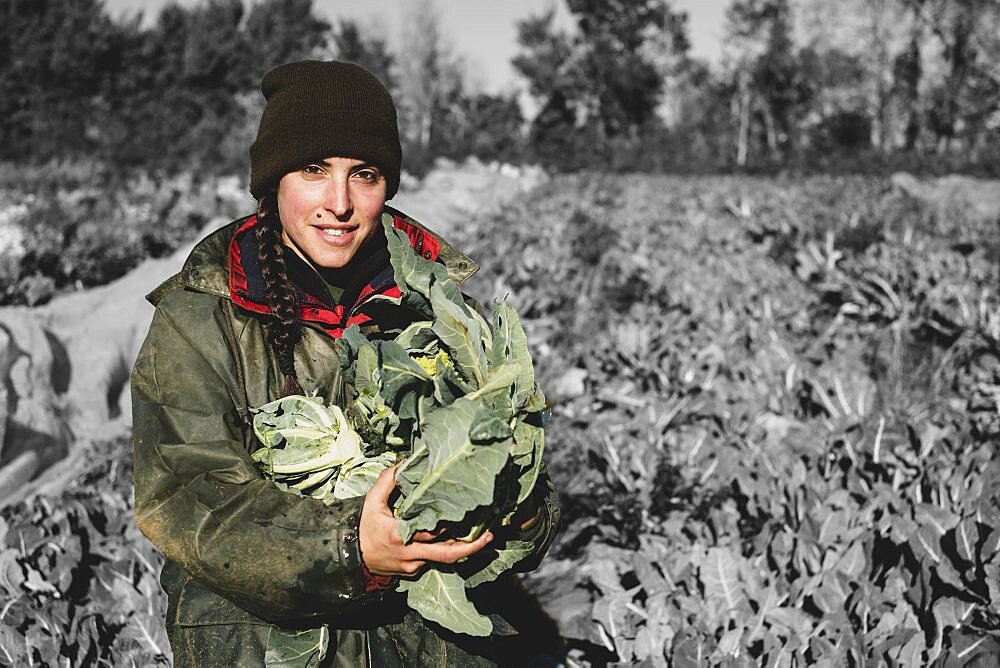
{"type": "Point", "coordinates": [807, 84]}
{"type": "Point", "coordinates": [181, 92]}
{"type": "Point", "coordinates": [855, 84]}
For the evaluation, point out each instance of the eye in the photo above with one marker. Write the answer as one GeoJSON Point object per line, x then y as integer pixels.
{"type": "Point", "coordinates": [368, 174]}
{"type": "Point", "coordinates": [312, 169]}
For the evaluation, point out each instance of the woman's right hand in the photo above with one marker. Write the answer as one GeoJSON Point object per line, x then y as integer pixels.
{"type": "Point", "coordinates": [384, 552]}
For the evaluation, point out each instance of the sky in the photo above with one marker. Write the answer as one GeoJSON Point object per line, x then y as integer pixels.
{"type": "Point", "coordinates": [483, 31]}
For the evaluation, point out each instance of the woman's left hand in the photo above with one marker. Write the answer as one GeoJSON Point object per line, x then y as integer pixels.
{"type": "Point", "coordinates": [526, 514]}
{"type": "Point", "coordinates": [384, 552]}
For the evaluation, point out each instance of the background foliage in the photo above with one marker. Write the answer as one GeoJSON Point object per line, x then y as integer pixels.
{"type": "Point", "coordinates": [776, 410]}
{"type": "Point", "coordinates": [79, 584]}
{"type": "Point", "coordinates": [60, 229]}
{"type": "Point", "coordinates": [777, 401]}
{"type": "Point", "coordinates": [777, 405]}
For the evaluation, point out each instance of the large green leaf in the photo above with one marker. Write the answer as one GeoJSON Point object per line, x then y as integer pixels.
{"type": "Point", "coordinates": [448, 385]}
{"type": "Point", "coordinates": [440, 597]}
{"type": "Point", "coordinates": [413, 469]}
{"type": "Point", "coordinates": [504, 558]}
{"type": "Point", "coordinates": [408, 407]}
{"type": "Point", "coordinates": [418, 336]}
{"type": "Point", "coordinates": [303, 437]}
{"type": "Point", "coordinates": [489, 430]}
{"type": "Point", "coordinates": [367, 378]}
{"type": "Point", "coordinates": [303, 442]}
{"type": "Point", "coordinates": [474, 524]}
{"type": "Point", "coordinates": [461, 333]}
{"type": "Point", "coordinates": [312, 480]}
{"type": "Point", "coordinates": [347, 347]}
{"type": "Point", "coordinates": [287, 413]}
{"type": "Point", "coordinates": [511, 345]}
{"type": "Point", "coordinates": [529, 441]}
{"type": "Point", "coordinates": [536, 401]}
{"type": "Point", "coordinates": [527, 453]}
{"type": "Point", "coordinates": [501, 403]}
{"type": "Point", "coordinates": [309, 450]}
{"type": "Point", "coordinates": [376, 422]}
{"type": "Point", "coordinates": [413, 274]}
{"type": "Point", "coordinates": [497, 380]}
{"type": "Point", "coordinates": [399, 372]}
{"type": "Point", "coordinates": [474, 313]}
{"type": "Point", "coordinates": [296, 649]}
{"type": "Point", "coordinates": [358, 475]}
{"type": "Point", "coordinates": [460, 475]}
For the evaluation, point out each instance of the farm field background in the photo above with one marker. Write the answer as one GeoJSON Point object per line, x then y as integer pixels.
{"type": "Point", "coordinates": [776, 404]}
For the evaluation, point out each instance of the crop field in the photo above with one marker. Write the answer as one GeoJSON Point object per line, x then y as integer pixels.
{"type": "Point", "coordinates": [776, 405]}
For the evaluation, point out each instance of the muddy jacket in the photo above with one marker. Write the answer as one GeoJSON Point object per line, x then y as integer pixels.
{"type": "Point", "coordinates": [245, 560]}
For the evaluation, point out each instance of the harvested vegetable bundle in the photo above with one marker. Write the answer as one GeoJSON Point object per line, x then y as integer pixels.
{"type": "Point", "coordinates": [453, 394]}
{"type": "Point", "coordinates": [311, 449]}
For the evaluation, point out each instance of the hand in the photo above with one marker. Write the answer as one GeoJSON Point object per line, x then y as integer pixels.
{"type": "Point", "coordinates": [526, 514]}
{"type": "Point", "coordinates": [384, 552]}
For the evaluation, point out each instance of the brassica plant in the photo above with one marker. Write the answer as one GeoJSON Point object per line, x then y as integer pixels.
{"type": "Point", "coordinates": [453, 396]}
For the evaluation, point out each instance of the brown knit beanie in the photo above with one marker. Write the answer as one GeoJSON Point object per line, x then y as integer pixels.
{"type": "Point", "coordinates": [318, 110]}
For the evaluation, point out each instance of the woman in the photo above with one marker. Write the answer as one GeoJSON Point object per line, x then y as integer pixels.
{"type": "Point", "coordinates": [253, 316]}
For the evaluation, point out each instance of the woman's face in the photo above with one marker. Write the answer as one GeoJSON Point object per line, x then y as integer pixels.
{"type": "Point", "coordinates": [328, 209]}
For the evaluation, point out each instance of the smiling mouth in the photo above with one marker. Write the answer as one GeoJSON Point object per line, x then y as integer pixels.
{"type": "Point", "coordinates": [337, 237]}
{"type": "Point", "coordinates": [336, 231]}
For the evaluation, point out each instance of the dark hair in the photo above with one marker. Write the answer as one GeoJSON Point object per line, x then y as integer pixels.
{"type": "Point", "coordinates": [284, 330]}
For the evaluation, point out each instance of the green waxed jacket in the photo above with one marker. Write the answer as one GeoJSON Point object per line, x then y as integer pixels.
{"type": "Point", "coordinates": [245, 560]}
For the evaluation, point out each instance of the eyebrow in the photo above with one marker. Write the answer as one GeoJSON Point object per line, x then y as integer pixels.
{"type": "Point", "coordinates": [363, 165]}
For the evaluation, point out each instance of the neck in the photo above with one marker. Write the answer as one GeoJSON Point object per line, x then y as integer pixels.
{"type": "Point", "coordinates": [370, 258]}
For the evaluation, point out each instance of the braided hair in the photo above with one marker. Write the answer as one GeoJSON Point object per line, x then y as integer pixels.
{"type": "Point", "coordinates": [284, 330]}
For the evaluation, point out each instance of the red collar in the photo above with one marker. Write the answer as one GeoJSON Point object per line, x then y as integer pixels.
{"type": "Point", "coordinates": [246, 284]}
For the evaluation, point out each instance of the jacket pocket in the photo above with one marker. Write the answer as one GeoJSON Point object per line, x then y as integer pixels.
{"type": "Point", "coordinates": [197, 605]}
{"type": "Point", "coordinates": [206, 629]}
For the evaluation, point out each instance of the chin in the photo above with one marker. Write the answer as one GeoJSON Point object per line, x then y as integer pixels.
{"type": "Point", "coordinates": [333, 260]}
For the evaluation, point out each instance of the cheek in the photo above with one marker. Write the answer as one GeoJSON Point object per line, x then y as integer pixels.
{"type": "Point", "coordinates": [294, 201]}
{"type": "Point", "coordinates": [373, 203]}
{"type": "Point", "coordinates": [285, 207]}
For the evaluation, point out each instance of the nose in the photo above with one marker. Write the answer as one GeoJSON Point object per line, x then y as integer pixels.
{"type": "Point", "coordinates": [337, 198]}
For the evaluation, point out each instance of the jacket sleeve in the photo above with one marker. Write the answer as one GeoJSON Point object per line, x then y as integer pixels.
{"type": "Point", "coordinates": [201, 500]}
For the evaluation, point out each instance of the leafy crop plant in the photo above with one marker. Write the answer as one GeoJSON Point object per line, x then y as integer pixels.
{"type": "Point", "coordinates": [453, 400]}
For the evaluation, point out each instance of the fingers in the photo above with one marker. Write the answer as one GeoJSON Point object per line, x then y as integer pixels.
{"type": "Point", "coordinates": [413, 556]}
{"type": "Point", "coordinates": [526, 514]}
{"type": "Point", "coordinates": [382, 549]}
{"type": "Point", "coordinates": [384, 485]}
{"type": "Point", "coordinates": [428, 536]}
{"type": "Point", "coordinates": [449, 551]}
{"type": "Point", "coordinates": [410, 559]}
{"type": "Point", "coordinates": [411, 567]}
